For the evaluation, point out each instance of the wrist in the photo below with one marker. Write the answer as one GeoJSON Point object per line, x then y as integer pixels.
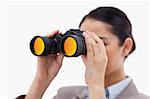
{"type": "Point", "coordinates": [43, 77]}
{"type": "Point", "coordinates": [96, 82]}
{"type": "Point", "coordinates": [37, 89]}
{"type": "Point", "coordinates": [96, 87]}
{"type": "Point", "coordinates": [96, 92]}
{"type": "Point", "coordinates": [42, 80]}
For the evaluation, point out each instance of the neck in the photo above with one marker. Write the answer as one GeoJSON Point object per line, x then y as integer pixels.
{"type": "Point", "coordinates": [114, 77]}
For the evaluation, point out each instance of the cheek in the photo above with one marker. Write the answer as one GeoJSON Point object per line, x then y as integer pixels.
{"type": "Point", "coordinates": [111, 51]}
{"type": "Point", "coordinates": [113, 54]}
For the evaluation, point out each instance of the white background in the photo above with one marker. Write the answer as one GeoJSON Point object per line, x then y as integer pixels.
{"type": "Point", "coordinates": [20, 21]}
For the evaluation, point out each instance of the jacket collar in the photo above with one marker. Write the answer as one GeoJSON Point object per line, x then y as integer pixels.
{"type": "Point", "coordinates": [127, 93]}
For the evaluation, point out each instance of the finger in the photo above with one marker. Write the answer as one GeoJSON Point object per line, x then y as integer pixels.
{"type": "Point", "coordinates": [93, 43]}
{"type": "Point", "coordinates": [95, 37]}
{"type": "Point", "coordinates": [50, 56]}
{"type": "Point", "coordinates": [60, 58]}
{"type": "Point", "coordinates": [98, 40]}
{"type": "Point", "coordinates": [99, 43]}
{"type": "Point", "coordinates": [98, 46]}
{"type": "Point", "coordinates": [52, 33]}
{"type": "Point", "coordinates": [41, 59]}
{"type": "Point", "coordinates": [88, 45]}
{"type": "Point", "coordinates": [60, 33]}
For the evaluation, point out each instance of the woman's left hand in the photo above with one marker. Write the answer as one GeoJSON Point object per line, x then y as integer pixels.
{"type": "Point", "coordinates": [96, 62]}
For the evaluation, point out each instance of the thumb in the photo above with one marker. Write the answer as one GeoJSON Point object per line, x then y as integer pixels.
{"type": "Point", "coordinates": [84, 59]}
{"type": "Point", "coordinates": [59, 58]}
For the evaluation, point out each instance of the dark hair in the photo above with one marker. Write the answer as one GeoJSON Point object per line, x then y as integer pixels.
{"type": "Point", "coordinates": [121, 26]}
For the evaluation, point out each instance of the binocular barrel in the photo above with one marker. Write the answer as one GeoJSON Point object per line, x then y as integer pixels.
{"type": "Point", "coordinates": [71, 44]}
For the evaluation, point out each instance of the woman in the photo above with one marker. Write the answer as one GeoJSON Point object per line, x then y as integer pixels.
{"type": "Point", "coordinates": [109, 41]}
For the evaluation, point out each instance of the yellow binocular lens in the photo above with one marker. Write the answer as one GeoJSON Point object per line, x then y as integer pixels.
{"type": "Point", "coordinates": [70, 46]}
{"type": "Point", "coordinates": [42, 45]}
{"type": "Point", "coordinates": [38, 46]}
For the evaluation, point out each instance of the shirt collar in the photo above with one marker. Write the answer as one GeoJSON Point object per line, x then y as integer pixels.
{"type": "Point", "coordinates": [116, 89]}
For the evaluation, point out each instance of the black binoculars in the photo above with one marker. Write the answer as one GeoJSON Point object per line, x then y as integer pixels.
{"type": "Point", "coordinates": [71, 44]}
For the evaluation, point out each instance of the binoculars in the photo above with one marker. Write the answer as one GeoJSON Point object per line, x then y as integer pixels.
{"type": "Point", "coordinates": [70, 44]}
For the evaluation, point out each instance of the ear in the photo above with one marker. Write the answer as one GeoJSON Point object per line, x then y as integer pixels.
{"type": "Point", "coordinates": [127, 46]}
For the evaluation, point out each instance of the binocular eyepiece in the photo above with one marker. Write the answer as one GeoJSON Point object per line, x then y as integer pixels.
{"type": "Point", "coordinates": [71, 44]}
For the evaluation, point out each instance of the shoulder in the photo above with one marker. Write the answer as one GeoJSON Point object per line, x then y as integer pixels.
{"type": "Point", "coordinates": [141, 96]}
{"type": "Point", "coordinates": [68, 92]}
{"type": "Point", "coordinates": [131, 92]}
{"type": "Point", "coordinates": [70, 89]}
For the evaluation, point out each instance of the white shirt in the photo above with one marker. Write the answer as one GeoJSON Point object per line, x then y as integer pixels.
{"type": "Point", "coordinates": [116, 89]}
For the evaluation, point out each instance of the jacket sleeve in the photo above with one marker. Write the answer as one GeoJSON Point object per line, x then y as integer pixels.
{"type": "Point", "coordinates": [63, 93]}
{"type": "Point", "coordinates": [69, 92]}
{"type": "Point", "coordinates": [141, 96]}
{"type": "Point", "coordinates": [21, 97]}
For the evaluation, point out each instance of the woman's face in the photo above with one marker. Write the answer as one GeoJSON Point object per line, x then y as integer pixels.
{"type": "Point", "coordinates": [114, 51]}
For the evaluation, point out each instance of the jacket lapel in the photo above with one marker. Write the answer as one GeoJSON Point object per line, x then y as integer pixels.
{"type": "Point", "coordinates": [128, 92]}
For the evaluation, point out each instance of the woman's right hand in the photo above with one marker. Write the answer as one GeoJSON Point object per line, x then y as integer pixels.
{"type": "Point", "coordinates": [47, 68]}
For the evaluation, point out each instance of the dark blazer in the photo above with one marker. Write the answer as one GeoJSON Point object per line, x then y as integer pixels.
{"type": "Point", "coordinates": [81, 92]}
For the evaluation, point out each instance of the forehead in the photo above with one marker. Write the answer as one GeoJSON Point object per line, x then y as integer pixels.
{"type": "Point", "coordinates": [100, 28]}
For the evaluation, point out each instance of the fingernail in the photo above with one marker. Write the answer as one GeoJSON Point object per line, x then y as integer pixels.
{"type": "Point", "coordinates": [83, 33]}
